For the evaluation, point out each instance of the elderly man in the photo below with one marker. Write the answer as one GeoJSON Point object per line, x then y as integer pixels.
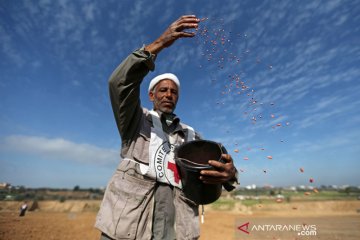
{"type": "Point", "coordinates": [143, 201]}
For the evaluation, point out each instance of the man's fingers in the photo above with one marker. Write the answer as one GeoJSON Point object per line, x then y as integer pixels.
{"type": "Point", "coordinates": [183, 34]}
{"type": "Point", "coordinates": [218, 165]}
{"type": "Point", "coordinates": [175, 31]}
{"type": "Point", "coordinates": [226, 157]}
{"type": "Point", "coordinates": [211, 173]}
{"type": "Point", "coordinates": [221, 165]}
{"type": "Point", "coordinates": [213, 180]}
{"type": "Point", "coordinates": [222, 172]}
{"type": "Point", "coordinates": [186, 22]}
{"type": "Point", "coordinates": [184, 26]}
{"type": "Point", "coordinates": [213, 177]}
{"type": "Point", "coordinates": [187, 19]}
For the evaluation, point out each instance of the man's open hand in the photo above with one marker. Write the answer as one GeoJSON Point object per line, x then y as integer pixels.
{"type": "Point", "coordinates": [222, 173]}
{"type": "Point", "coordinates": [175, 31]}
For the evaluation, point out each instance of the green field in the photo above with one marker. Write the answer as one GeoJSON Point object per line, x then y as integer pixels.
{"type": "Point", "coordinates": [253, 197]}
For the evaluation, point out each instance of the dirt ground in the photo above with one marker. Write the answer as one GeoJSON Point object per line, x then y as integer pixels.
{"type": "Point", "coordinates": [225, 226]}
{"type": "Point", "coordinates": [328, 220]}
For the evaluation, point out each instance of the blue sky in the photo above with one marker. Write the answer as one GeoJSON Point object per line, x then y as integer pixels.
{"type": "Point", "coordinates": [265, 78]}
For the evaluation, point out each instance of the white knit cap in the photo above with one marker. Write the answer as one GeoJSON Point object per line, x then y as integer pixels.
{"type": "Point", "coordinates": [164, 76]}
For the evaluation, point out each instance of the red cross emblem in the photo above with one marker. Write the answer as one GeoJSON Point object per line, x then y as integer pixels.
{"type": "Point", "coordinates": [172, 167]}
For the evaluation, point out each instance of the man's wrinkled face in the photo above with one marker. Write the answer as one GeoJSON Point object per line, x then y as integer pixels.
{"type": "Point", "coordinates": [164, 96]}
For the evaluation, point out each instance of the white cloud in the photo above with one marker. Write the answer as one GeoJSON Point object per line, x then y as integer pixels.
{"type": "Point", "coordinates": [9, 49]}
{"type": "Point", "coordinates": [329, 143]}
{"type": "Point", "coordinates": [326, 102]}
{"type": "Point", "coordinates": [59, 149]}
{"type": "Point", "coordinates": [89, 10]}
{"type": "Point", "coordinates": [175, 62]}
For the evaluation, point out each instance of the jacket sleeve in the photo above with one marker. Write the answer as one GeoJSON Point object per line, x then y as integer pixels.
{"type": "Point", "coordinates": [231, 184]}
{"type": "Point", "coordinates": [124, 84]}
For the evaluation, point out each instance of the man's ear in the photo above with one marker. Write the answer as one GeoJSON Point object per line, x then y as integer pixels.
{"type": "Point", "coordinates": [151, 96]}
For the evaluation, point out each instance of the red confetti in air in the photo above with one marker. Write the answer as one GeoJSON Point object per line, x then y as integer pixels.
{"type": "Point", "coordinates": [311, 180]}
{"type": "Point", "coordinates": [236, 150]}
{"type": "Point", "coordinates": [270, 157]}
{"type": "Point", "coordinates": [301, 170]}
{"type": "Point", "coordinates": [246, 158]}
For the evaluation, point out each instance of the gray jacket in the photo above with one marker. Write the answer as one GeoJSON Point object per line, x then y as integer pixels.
{"type": "Point", "coordinates": [127, 210]}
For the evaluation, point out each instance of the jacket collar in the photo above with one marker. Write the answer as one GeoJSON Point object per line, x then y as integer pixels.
{"type": "Point", "coordinates": [175, 122]}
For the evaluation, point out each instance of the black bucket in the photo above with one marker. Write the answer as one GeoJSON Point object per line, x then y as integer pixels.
{"type": "Point", "coordinates": [191, 158]}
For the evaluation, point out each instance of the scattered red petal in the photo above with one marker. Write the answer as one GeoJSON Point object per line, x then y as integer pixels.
{"type": "Point", "coordinates": [301, 170]}
{"type": "Point", "coordinates": [311, 180]}
{"type": "Point", "coordinates": [270, 157]}
{"type": "Point", "coordinates": [236, 150]}
{"type": "Point", "coordinates": [246, 158]}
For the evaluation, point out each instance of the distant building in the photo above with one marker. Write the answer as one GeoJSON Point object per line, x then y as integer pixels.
{"type": "Point", "coordinates": [252, 186]}
{"type": "Point", "coordinates": [290, 188]}
{"type": "Point", "coordinates": [5, 185]}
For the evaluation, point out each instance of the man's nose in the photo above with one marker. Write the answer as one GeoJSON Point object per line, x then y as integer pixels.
{"type": "Point", "coordinates": [168, 94]}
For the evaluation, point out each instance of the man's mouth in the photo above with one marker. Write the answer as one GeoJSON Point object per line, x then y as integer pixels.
{"type": "Point", "coordinates": [168, 103]}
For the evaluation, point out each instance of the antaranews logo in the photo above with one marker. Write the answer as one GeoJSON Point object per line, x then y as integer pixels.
{"type": "Point", "coordinates": [244, 227]}
{"type": "Point", "coordinates": [300, 229]}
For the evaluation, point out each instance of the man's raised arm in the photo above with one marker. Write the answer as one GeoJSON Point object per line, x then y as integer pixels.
{"type": "Point", "coordinates": [127, 77]}
{"type": "Point", "coordinates": [175, 31]}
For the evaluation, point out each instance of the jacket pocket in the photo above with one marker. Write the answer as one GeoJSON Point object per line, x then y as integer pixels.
{"type": "Point", "coordinates": [187, 217]}
{"type": "Point", "coordinates": [125, 209]}
{"type": "Point", "coordinates": [141, 149]}
{"type": "Point", "coordinates": [133, 195]}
